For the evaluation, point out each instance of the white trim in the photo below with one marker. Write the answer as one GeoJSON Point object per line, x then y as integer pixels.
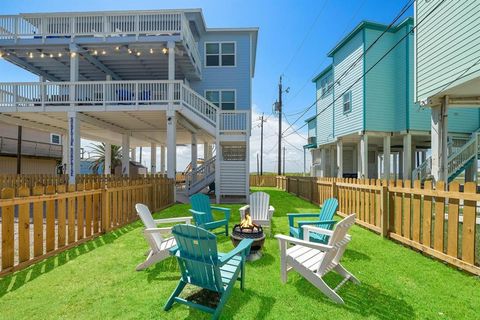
{"type": "Point", "coordinates": [219, 53]}
{"type": "Point", "coordinates": [220, 98]}
{"type": "Point", "coordinates": [59, 138]}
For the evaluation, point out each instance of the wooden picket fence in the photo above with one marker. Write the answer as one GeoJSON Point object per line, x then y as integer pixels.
{"type": "Point", "coordinates": [42, 221]}
{"type": "Point", "coordinates": [263, 181]}
{"type": "Point", "coordinates": [16, 181]}
{"type": "Point", "coordinates": [439, 221]}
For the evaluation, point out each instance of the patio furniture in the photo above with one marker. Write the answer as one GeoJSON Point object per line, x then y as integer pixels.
{"type": "Point", "coordinates": [203, 266]}
{"type": "Point", "coordinates": [314, 260]}
{"type": "Point", "coordinates": [259, 208]}
{"type": "Point", "coordinates": [202, 213]}
{"type": "Point", "coordinates": [159, 246]}
{"type": "Point", "coordinates": [325, 220]}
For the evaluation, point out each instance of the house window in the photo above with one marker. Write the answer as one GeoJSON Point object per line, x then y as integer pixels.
{"type": "Point", "coordinates": [55, 139]}
{"type": "Point", "coordinates": [224, 99]}
{"type": "Point", "coordinates": [347, 102]}
{"type": "Point", "coordinates": [220, 54]}
{"type": "Point", "coordinates": [327, 85]}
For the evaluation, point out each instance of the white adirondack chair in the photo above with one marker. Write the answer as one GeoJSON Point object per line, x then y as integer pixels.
{"type": "Point", "coordinates": [314, 260]}
{"type": "Point", "coordinates": [159, 246]}
{"type": "Point", "coordinates": [261, 211]}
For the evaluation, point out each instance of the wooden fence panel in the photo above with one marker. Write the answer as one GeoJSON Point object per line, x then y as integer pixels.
{"type": "Point", "coordinates": [8, 233]}
{"type": "Point", "coordinates": [439, 222]}
{"type": "Point", "coordinates": [469, 225]}
{"type": "Point", "coordinates": [62, 214]}
{"type": "Point", "coordinates": [23, 226]}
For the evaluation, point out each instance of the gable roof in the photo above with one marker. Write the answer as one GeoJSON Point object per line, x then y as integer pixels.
{"type": "Point", "coordinates": [368, 25]}
{"type": "Point", "coordinates": [322, 73]}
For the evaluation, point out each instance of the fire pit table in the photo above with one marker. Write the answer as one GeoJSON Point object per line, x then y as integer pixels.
{"type": "Point", "coordinates": [248, 230]}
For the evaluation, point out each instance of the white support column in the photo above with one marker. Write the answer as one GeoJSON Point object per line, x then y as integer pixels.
{"type": "Point", "coordinates": [340, 158]}
{"type": "Point", "coordinates": [73, 146]}
{"type": "Point", "coordinates": [108, 159]}
{"type": "Point", "coordinates": [407, 157]}
{"type": "Point", "coordinates": [205, 151]}
{"type": "Point", "coordinates": [171, 60]}
{"type": "Point", "coordinates": [386, 157]}
{"type": "Point", "coordinates": [323, 162]}
{"type": "Point", "coordinates": [125, 154]}
{"type": "Point", "coordinates": [395, 166]}
{"type": "Point", "coordinates": [359, 160]}
{"type": "Point", "coordinates": [364, 156]}
{"type": "Point", "coordinates": [171, 144]}
{"type": "Point", "coordinates": [133, 154]}
{"type": "Point", "coordinates": [332, 161]}
{"type": "Point", "coordinates": [153, 158]}
{"type": "Point", "coordinates": [439, 133]}
{"type": "Point", "coordinates": [65, 147]}
{"type": "Point", "coordinates": [162, 159]}
{"type": "Point", "coordinates": [194, 151]}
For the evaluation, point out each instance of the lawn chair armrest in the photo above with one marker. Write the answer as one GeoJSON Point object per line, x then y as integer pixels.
{"type": "Point", "coordinates": [271, 210]}
{"type": "Point", "coordinates": [292, 216]}
{"type": "Point", "coordinates": [173, 250]}
{"type": "Point", "coordinates": [307, 229]}
{"type": "Point", "coordinates": [157, 230]}
{"type": "Point", "coordinates": [226, 211]}
{"type": "Point", "coordinates": [287, 239]}
{"type": "Point", "coordinates": [187, 220]}
{"type": "Point", "coordinates": [243, 247]}
{"type": "Point", "coordinates": [320, 224]}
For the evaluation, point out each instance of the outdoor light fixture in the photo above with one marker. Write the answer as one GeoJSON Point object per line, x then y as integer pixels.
{"type": "Point", "coordinates": [51, 55]}
{"type": "Point", "coordinates": [59, 54]}
{"type": "Point", "coordinates": [165, 50]}
{"type": "Point", "coordinates": [104, 52]}
{"type": "Point", "coordinates": [30, 55]}
{"type": "Point", "coordinates": [129, 51]}
{"type": "Point", "coordinates": [151, 51]}
{"type": "Point", "coordinates": [73, 54]}
{"type": "Point", "coordinates": [117, 48]}
{"type": "Point", "coordinates": [42, 55]}
{"type": "Point", "coordinates": [138, 54]}
{"type": "Point", "coordinates": [95, 52]}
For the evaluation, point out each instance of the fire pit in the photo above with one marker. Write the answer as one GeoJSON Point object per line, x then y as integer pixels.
{"type": "Point", "coordinates": [248, 230]}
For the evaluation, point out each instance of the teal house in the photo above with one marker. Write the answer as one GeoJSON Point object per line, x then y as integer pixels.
{"type": "Point", "coordinates": [367, 124]}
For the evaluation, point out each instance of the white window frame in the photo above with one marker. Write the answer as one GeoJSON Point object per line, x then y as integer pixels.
{"type": "Point", "coordinates": [59, 138]}
{"type": "Point", "coordinates": [349, 93]}
{"type": "Point", "coordinates": [220, 53]}
{"type": "Point", "coordinates": [220, 97]}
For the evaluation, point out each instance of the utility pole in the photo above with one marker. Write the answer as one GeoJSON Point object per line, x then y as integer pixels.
{"type": "Point", "coordinates": [284, 160]}
{"type": "Point", "coordinates": [261, 143]}
{"type": "Point", "coordinates": [19, 150]}
{"type": "Point", "coordinates": [279, 109]}
{"type": "Point", "coordinates": [257, 165]}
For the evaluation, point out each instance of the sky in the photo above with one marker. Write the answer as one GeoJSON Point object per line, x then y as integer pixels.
{"type": "Point", "coordinates": [294, 39]}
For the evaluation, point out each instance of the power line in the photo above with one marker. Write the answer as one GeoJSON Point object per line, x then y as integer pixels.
{"type": "Point", "coordinates": [373, 66]}
{"type": "Point", "coordinates": [306, 36]}
{"type": "Point", "coordinates": [358, 59]}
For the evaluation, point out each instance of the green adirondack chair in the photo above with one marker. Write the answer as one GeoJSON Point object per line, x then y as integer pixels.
{"type": "Point", "coordinates": [203, 266]}
{"type": "Point", "coordinates": [325, 221]}
{"type": "Point", "coordinates": [202, 213]}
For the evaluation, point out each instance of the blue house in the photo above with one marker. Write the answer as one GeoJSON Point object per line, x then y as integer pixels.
{"type": "Point", "coordinates": [369, 126]}
{"type": "Point", "coordinates": [157, 78]}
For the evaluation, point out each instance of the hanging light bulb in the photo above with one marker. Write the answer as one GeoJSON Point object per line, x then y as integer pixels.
{"type": "Point", "coordinates": [104, 52]}
{"type": "Point", "coordinates": [117, 48]}
{"type": "Point", "coordinates": [59, 54]}
{"type": "Point", "coordinates": [95, 53]}
{"type": "Point", "coordinates": [30, 55]}
{"type": "Point", "coordinates": [73, 54]}
{"type": "Point", "coordinates": [51, 55]}
{"type": "Point", "coordinates": [151, 51]}
{"type": "Point", "coordinates": [42, 55]}
{"type": "Point", "coordinates": [139, 54]}
{"type": "Point", "coordinates": [165, 50]}
{"type": "Point", "coordinates": [129, 51]}
{"type": "Point", "coordinates": [1, 54]}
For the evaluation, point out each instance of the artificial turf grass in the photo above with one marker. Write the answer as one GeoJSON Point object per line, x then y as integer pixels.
{"type": "Point", "coordinates": [97, 280]}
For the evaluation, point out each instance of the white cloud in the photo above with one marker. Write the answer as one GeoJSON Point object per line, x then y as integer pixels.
{"type": "Point", "coordinates": [294, 148]}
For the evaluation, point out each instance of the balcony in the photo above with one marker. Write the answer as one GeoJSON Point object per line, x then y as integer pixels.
{"type": "Point", "coordinates": [8, 146]}
{"type": "Point", "coordinates": [98, 96]}
{"type": "Point", "coordinates": [99, 28]}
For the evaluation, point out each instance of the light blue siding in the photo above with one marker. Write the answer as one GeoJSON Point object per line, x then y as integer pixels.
{"type": "Point", "coordinates": [237, 77]}
{"type": "Point", "coordinates": [347, 123]}
{"type": "Point", "coordinates": [325, 113]}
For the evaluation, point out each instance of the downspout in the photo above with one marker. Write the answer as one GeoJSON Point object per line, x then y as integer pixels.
{"type": "Point", "coordinates": [407, 100]}
{"type": "Point", "coordinates": [364, 81]}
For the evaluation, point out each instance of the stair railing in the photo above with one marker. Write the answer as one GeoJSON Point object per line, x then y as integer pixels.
{"type": "Point", "coordinates": [200, 175]}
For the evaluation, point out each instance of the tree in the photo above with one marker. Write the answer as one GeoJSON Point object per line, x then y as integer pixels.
{"type": "Point", "coordinates": [98, 156]}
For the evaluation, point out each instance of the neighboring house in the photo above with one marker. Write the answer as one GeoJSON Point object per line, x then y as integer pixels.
{"type": "Point", "coordinates": [137, 78]}
{"type": "Point", "coordinates": [447, 75]}
{"type": "Point", "coordinates": [363, 120]}
{"type": "Point", "coordinates": [41, 152]}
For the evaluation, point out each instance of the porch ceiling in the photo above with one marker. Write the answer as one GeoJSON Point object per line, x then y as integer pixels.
{"type": "Point", "coordinates": [144, 127]}
{"type": "Point", "coordinates": [137, 61]}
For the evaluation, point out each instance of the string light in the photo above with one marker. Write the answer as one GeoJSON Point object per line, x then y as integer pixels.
{"type": "Point", "coordinates": [165, 50]}
{"type": "Point", "coordinates": [30, 55]}
{"type": "Point", "coordinates": [117, 48]}
{"type": "Point", "coordinates": [129, 51]}
{"type": "Point", "coordinates": [95, 53]}
{"type": "Point", "coordinates": [151, 51]}
{"type": "Point", "coordinates": [51, 55]}
{"type": "Point", "coordinates": [104, 52]}
{"type": "Point", "coordinates": [138, 54]}
{"type": "Point", "coordinates": [73, 54]}
{"type": "Point", "coordinates": [59, 54]}
{"type": "Point", "coordinates": [42, 55]}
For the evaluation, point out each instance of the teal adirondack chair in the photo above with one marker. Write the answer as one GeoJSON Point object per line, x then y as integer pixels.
{"type": "Point", "coordinates": [325, 221]}
{"type": "Point", "coordinates": [203, 266]}
{"type": "Point", "coordinates": [202, 213]}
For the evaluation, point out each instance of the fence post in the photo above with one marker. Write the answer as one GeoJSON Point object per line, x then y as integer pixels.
{"type": "Point", "coordinates": [384, 222]}
{"type": "Point", "coordinates": [334, 189]}
{"type": "Point", "coordinates": [105, 210]}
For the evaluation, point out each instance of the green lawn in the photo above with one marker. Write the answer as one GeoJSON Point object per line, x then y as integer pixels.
{"type": "Point", "coordinates": [97, 281]}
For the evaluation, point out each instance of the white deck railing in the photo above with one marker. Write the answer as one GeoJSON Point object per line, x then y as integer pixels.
{"type": "Point", "coordinates": [99, 24]}
{"type": "Point", "coordinates": [33, 96]}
